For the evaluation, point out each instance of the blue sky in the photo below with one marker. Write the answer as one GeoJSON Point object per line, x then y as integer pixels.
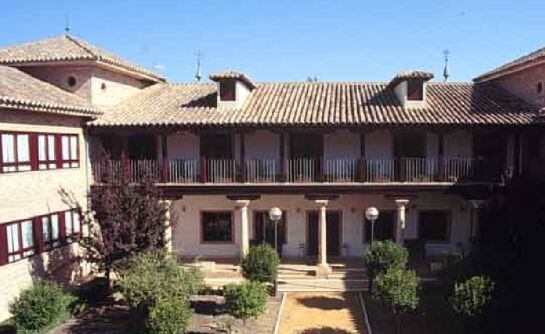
{"type": "Point", "coordinates": [285, 40]}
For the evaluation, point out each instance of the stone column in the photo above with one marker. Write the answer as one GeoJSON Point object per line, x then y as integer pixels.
{"type": "Point", "coordinates": [245, 227]}
{"type": "Point", "coordinates": [323, 266]}
{"type": "Point", "coordinates": [476, 205]}
{"type": "Point", "coordinates": [400, 221]}
{"type": "Point", "coordinates": [168, 226]}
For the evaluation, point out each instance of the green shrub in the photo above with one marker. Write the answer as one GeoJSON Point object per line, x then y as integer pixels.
{"type": "Point", "coordinates": [384, 255]}
{"type": "Point", "coordinates": [153, 276]}
{"type": "Point", "coordinates": [246, 300]}
{"type": "Point", "coordinates": [42, 305]}
{"type": "Point", "coordinates": [261, 264]}
{"type": "Point", "coordinates": [169, 316]}
{"type": "Point", "coordinates": [470, 297]}
{"type": "Point", "coordinates": [398, 289]}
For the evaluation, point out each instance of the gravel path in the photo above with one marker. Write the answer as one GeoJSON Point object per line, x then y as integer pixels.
{"type": "Point", "coordinates": [324, 313]}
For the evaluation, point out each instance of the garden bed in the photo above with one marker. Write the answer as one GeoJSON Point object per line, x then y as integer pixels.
{"type": "Point", "coordinates": [433, 316]}
{"type": "Point", "coordinates": [209, 317]}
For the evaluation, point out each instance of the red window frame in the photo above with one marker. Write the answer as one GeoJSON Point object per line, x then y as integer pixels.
{"type": "Point", "coordinates": [73, 235]}
{"type": "Point", "coordinates": [16, 165]}
{"type": "Point", "coordinates": [39, 244]}
{"type": "Point", "coordinates": [48, 162]}
{"type": "Point", "coordinates": [22, 252]}
{"type": "Point", "coordinates": [415, 90]}
{"type": "Point", "coordinates": [72, 161]}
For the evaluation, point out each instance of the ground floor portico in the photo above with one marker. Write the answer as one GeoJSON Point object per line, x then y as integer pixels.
{"type": "Point", "coordinates": [318, 228]}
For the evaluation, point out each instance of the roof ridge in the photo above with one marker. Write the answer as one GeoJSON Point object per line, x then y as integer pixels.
{"type": "Point", "coordinates": [81, 45]}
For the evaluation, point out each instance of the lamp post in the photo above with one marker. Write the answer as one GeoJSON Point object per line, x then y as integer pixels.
{"type": "Point", "coordinates": [372, 215]}
{"type": "Point", "coordinates": [275, 214]}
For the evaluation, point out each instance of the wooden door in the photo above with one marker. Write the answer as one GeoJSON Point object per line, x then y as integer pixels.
{"type": "Point", "coordinates": [333, 233]}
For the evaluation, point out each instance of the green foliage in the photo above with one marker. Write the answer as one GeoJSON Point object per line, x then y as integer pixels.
{"type": "Point", "coordinates": [169, 316]}
{"type": "Point", "coordinates": [385, 255]}
{"type": "Point", "coordinates": [261, 264]}
{"type": "Point", "coordinates": [154, 276]}
{"type": "Point", "coordinates": [398, 289]}
{"type": "Point", "coordinates": [471, 296]}
{"type": "Point", "coordinates": [246, 300]}
{"type": "Point", "coordinates": [43, 304]}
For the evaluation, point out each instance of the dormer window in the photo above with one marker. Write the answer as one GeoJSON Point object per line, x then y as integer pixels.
{"type": "Point", "coordinates": [234, 88]}
{"type": "Point", "coordinates": [415, 90]}
{"type": "Point", "coordinates": [228, 90]}
{"type": "Point", "coordinates": [410, 88]}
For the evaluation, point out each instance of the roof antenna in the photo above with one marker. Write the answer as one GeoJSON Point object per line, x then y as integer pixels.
{"type": "Point", "coordinates": [446, 73]}
{"type": "Point", "coordinates": [198, 57]}
{"type": "Point", "coordinates": [67, 25]}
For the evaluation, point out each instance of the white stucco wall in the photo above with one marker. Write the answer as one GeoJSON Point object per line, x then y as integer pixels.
{"type": "Point", "coordinates": [186, 235]}
{"type": "Point", "coordinates": [262, 144]}
{"type": "Point", "coordinates": [183, 146]}
{"type": "Point", "coordinates": [379, 145]}
{"type": "Point", "coordinates": [459, 143]}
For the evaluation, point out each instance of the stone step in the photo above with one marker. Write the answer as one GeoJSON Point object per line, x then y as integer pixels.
{"type": "Point", "coordinates": [325, 285]}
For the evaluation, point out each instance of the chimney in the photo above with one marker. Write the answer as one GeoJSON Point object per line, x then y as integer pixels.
{"type": "Point", "coordinates": [233, 88]}
{"type": "Point", "coordinates": [410, 88]}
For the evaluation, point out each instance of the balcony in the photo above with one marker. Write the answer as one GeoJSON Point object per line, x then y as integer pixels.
{"type": "Point", "coordinates": [301, 171]}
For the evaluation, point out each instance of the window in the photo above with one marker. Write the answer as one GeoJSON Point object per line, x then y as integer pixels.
{"type": "Point", "coordinates": [264, 228]}
{"type": "Point", "coordinates": [228, 90]}
{"type": "Point", "coordinates": [415, 90]}
{"type": "Point", "coordinates": [72, 225]}
{"type": "Point", "coordinates": [25, 238]}
{"type": "Point", "coordinates": [539, 87]}
{"type": "Point", "coordinates": [434, 226]}
{"type": "Point", "coordinates": [103, 87]}
{"type": "Point", "coordinates": [20, 240]}
{"type": "Point", "coordinates": [15, 153]}
{"type": "Point", "coordinates": [71, 81]}
{"type": "Point", "coordinates": [69, 151]}
{"type": "Point", "coordinates": [51, 231]}
{"type": "Point", "coordinates": [217, 227]}
{"type": "Point", "coordinates": [37, 151]}
{"type": "Point", "coordinates": [46, 151]}
{"type": "Point", "coordinates": [384, 228]}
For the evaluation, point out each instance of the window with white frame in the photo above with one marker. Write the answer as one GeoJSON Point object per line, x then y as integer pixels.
{"type": "Point", "coordinates": [72, 224]}
{"type": "Point", "coordinates": [15, 153]}
{"type": "Point", "coordinates": [20, 240]}
{"type": "Point", "coordinates": [51, 231]}
{"type": "Point", "coordinates": [46, 151]}
{"type": "Point", "coordinates": [69, 151]}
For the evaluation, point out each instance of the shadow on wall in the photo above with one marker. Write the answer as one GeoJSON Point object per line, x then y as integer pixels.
{"type": "Point", "coordinates": [60, 265]}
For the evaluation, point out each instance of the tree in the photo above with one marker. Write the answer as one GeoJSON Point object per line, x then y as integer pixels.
{"type": "Point", "coordinates": [398, 289]}
{"type": "Point", "coordinates": [127, 218]}
{"type": "Point", "coordinates": [261, 264]}
{"type": "Point", "coordinates": [470, 297]}
{"type": "Point", "coordinates": [246, 300]}
{"type": "Point", "coordinates": [384, 255]}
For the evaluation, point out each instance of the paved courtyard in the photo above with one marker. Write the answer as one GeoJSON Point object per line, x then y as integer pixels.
{"type": "Point", "coordinates": [321, 312]}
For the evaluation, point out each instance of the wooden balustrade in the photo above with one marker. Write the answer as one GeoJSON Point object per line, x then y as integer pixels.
{"type": "Point", "coordinates": [296, 170]}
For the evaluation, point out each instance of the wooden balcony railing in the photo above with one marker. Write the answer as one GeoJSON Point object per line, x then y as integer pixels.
{"type": "Point", "coordinates": [299, 170]}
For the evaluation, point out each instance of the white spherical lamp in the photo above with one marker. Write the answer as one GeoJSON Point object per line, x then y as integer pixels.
{"type": "Point", "coordinates": [371, 213]}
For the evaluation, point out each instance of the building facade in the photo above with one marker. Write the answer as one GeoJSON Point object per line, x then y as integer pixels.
{"type": "Point", "coordinates": [427, 155]}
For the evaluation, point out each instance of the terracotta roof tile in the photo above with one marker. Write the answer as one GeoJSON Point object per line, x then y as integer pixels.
{"type": "Point", "coordinates": [217, 76]}
{"type": "Point", "coordinates": [529, 59]}
{"type": "Point", "coordinates": [19, 90]}
{"type": "Point", "coordinates": [406, 75]}
{"type": "Point", "coordinates": [319, 104]}
{"type": "Point", "coordinates": [68, 48]}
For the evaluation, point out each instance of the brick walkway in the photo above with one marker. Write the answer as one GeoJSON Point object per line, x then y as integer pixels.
{"type": "Point", "coordinates": [323, 313]}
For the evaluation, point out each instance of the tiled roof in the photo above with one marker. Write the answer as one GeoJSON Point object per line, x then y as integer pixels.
{"type": "Point", "coordinates": [68, 48]}
{"type": "Point", "coordinates": [523, 61]}
{"type": "Point", "coordinates": [232, 75]}
{"type": "Point", "coordinates": [19, 90]}
{"type": "Point", "coordinates": [318, 104]}
{"type": "Point", "coordinates": [410, 75]}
